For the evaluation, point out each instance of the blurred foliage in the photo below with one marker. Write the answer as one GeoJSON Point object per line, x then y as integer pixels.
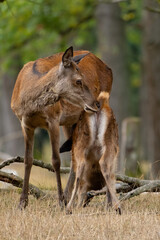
{"type": "Point", "coordinates": [42, 27]}
{"type": "Point", "coordinates": [38, 28]}
{"type": "Point", "coordinates": [30, 29]}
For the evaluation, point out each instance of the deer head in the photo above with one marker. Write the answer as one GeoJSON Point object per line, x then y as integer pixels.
{"type": "Point", "coordinates": [70, 84]}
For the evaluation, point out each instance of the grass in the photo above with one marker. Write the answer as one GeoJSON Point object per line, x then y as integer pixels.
{"type": "Point", "coordinates": [43, 220]}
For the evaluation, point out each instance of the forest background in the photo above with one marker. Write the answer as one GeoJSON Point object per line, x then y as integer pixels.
{"type": "Point", "coordinates": [123, 33]}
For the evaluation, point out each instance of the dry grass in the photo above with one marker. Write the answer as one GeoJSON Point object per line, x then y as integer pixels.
{"type": "Point", "coordinates": [43, 220]}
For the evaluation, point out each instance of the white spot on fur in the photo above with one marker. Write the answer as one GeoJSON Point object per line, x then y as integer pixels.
{"type": "Point", "coordinates": [93, 128]}
{"type": "Point", "coordinates": [103, 122]}
{"type": "Point", "coordinates": [98, 128]}
{"type": "Point", "coordinates": [102, 126]}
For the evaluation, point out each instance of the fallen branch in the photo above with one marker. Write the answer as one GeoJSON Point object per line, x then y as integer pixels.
{"type": "Point", "coordinates": [134, 188]}
{"type": "Point", "coordinates": [36, 162]}
{"type": "Point", "coordinates": [136, 183]}
{"type": "Point", "coordinates": [120, 188]}
{"type": "Point", "coordinates": [150, 187]}
{"type": "Point", "coordinates": [18, 182]}
{"type": "Point", "coordinates": [129, 185]}
{"type": "Point", "coordinates": [132, 181]}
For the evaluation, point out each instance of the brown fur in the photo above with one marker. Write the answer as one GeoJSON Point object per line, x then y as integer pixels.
{"type": "Point", "coordinates": [94, 153]}
{"type": "Point", "coordinates": [35, 102]}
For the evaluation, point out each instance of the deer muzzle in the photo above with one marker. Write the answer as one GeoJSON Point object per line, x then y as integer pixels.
{"type": "Point", "coordinates": [94, 108]}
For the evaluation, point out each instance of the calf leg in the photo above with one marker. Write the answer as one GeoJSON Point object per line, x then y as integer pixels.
{"type": "Point", "coordinates": [79, 173]}
{"type": "Point", "coordinates": [28, 160]}
{"type": "Point", "coordinates": [70, 185]}
{"type": "Point", "coordinates": [83, 198]}
{"type": "Point", "coordinates": [107, 168]}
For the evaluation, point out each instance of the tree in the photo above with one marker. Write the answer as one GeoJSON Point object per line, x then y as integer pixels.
{"type": "Point", "coordinates": [11, 135]}
{"type": "Point", "coordinates": [112, 49]}
{"type": "Point", "coordinates": [150, 89]}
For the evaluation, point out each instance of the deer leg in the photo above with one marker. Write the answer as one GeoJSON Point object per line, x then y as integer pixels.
{"type": "Point", "coordinates": [108, 173]}
{"type": "Point", "coordinates": [83, 199]}
{"type": "Point", "coordinates": [28, 160]}
{"type": "Point", "coordinates": [70, 183]}
{"type": "Point", "coordinates": [54, 137]}
{"type": "Point", "coordinates": [79, 173]}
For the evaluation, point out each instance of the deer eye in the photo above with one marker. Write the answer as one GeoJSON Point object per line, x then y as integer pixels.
{"type": "Point", "coordinates": [79, 82]}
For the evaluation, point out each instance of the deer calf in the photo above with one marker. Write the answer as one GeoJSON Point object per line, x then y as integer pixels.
{"type": "Point", "coordinates": [94, 152]}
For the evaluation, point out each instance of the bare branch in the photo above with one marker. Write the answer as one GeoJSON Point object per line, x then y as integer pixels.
{"type": "Point", "coordinates": [36, 162]}
{"type": "Point", "coordinates": [120, 188]}
{"type": "Point", "coordinates": [130, 185]}
{"type": "Point", "coordinates": [150, 187]}
{"type": "Point", "coordinates": [18, 182]}
{"type": "Point", "coordinates": [131, 180]}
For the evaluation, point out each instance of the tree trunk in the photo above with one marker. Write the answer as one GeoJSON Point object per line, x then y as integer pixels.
{"type": "Point", "coordinates": [150, 90]}
{"type": "Point", "coordinates": [112, 49]}
{"type": "Point", "coordinates": [11, 139]}
{"type": "Point", "coordinates": [130, 146]}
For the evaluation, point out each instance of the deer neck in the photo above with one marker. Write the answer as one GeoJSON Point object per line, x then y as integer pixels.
{"type": "Point", "coordinates": [45, 92]}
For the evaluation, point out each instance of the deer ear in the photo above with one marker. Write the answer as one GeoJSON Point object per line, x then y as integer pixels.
{"type": "Point", "coordinates": [78, 58]}
{"type": "Point", "coordinates": [67, 57]}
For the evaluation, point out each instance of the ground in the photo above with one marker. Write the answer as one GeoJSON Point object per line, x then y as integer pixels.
{"type": "Point", "coordinates": [43, 219]}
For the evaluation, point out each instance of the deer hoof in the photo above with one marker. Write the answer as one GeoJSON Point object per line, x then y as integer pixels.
{"type": "Point", "coordinates": [91, 194]}
{"type": "Point", "coordinates": [62, 202]}
{"type": "Point", "coordinates": [118, 210]}
{"type": "Point", "coordinates": [23, 204]}
{"type": "Point", "coordinates": [68, 211]}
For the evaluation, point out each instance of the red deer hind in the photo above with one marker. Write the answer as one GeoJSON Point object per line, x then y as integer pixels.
{"type": "Point", "coordinates": [53, 91]}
